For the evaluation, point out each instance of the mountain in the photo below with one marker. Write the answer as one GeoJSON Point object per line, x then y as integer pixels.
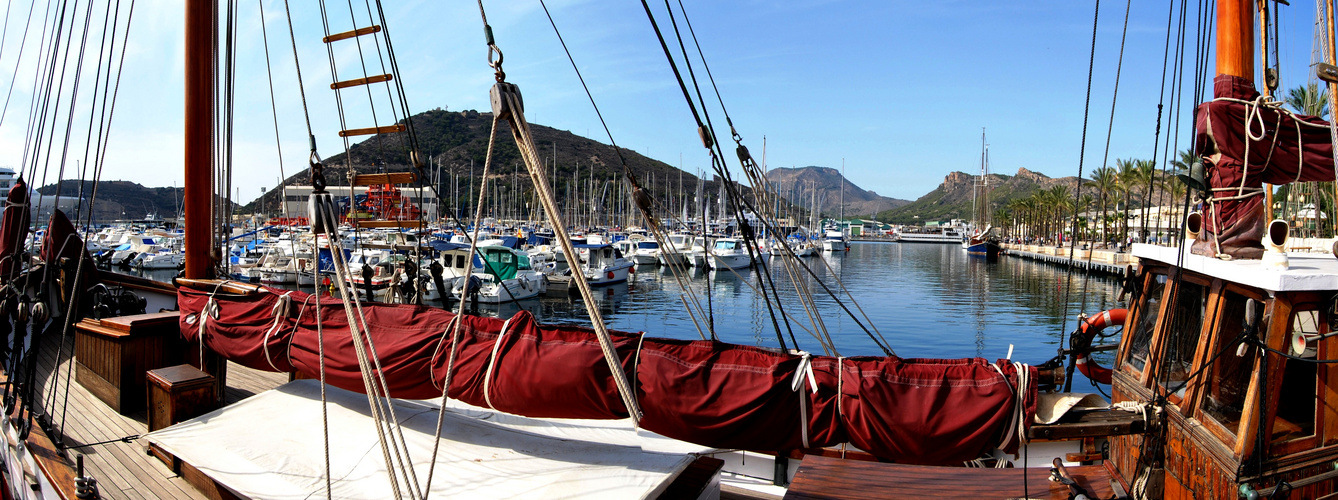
{"type": "Point", "coordinates": [118, 200]}
{"type": "Point", "coordinates": [802, 185]}
{"type": "Point", "coordinates": [457, 143]}
{"type": "Point", "coordinates": [953, 198]}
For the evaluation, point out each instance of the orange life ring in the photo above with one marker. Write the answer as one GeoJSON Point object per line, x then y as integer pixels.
{"type": "Point", "coordinates": [1089, 328]}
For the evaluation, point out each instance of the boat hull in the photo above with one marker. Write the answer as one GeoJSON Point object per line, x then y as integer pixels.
{"type": "Point", "coordinates": [987, 250]}
{"type": "Point", "coordinates": [736, 261]}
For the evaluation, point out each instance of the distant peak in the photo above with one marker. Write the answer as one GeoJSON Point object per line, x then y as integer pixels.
{"type": "Point", "coordinates": [1027, 174]}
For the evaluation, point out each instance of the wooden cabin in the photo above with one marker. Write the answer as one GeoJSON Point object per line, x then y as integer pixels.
{"type": "Point", "coordinates": [1239, 420]}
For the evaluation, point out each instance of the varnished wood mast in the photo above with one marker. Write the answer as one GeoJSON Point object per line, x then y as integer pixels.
{"type": "Point", "coordinates": [200, 27]}
{"type": "Point", "coordinates": [1235, 38]}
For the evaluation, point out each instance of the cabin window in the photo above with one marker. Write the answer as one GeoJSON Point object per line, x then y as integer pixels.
{"type": "Point", "coordinates": [1148, 311]}
{"type": "Point", "coordinates": [1182, 338]}
{"type": "Point", "coordinates": [1296, 401]}
{"type": "Point", "coordinates": [459, 261]}
{"type": "Point", "coordinates": [1227, 379]}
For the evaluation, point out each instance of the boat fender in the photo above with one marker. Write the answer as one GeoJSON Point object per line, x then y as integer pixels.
{"type": "Point", "coordinates": [609, 274]}
{"type": "Point", "coordinates": [1086, 331]}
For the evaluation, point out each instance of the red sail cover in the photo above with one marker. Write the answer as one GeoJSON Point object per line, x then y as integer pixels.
{"type": "Point", "coordinates": [62, 241]}
{"type": "Point", "coordinates": [1283, 148]}
{"type": "Point", "coordinates": [13, 230]}
{"type": "Point", "coordinates": [709, 393]}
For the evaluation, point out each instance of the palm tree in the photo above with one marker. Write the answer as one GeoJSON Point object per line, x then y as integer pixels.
{"type": "Point", "coordinates": [1058, 203]}
{"type": "Point", "coordinates": [1308, 100]}
{"type": "Point", "coordinates": [1176, 192]}
{"type": "Point", "coordinates": [1105, 181]}
{"type": "Point", "coordinates": [1145, 174]}
{"type": "Point", "coordinates": [1127, 178]}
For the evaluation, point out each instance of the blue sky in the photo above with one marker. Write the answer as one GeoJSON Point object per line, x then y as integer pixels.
{"type": "Point", "coordinates": [898, 89]}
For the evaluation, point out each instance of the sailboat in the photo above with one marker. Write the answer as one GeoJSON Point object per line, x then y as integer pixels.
{"type": "Point", "coordinates": [980, 243]}
{"type": "Point", "coordinates": [1204, 364]}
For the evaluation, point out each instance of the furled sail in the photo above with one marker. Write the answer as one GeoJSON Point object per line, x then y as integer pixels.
{"type": "Point", "coordinates": [710, 393]}
{"type": "Point", "coordinates": [14, 230]}
{"type": "Point", "coordinates": [1248, 143]}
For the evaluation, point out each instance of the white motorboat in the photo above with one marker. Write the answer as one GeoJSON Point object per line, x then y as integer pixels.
{"type": "Point", "coordinates": [679, 247]}
{"type": "Point", "coordinates": [646, 252]}
{"type": "Point", "coordinates": [603, 264]}
{"type": "Point", "coordinates": [835, 241]}
{"type": "Point", "coordinates": [729, 253]}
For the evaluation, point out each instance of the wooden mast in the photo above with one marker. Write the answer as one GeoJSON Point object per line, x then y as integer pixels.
{"type": "Point", "coordinates": [200, 35]}
{"type": "Point", "coordinates": [1235, 39]}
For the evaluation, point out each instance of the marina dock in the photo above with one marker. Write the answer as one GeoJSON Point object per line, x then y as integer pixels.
{"type": "Point", "coordinates": [1102, 261]}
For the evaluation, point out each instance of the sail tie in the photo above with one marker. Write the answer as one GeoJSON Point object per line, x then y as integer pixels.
{"type": "Point", "coordinates": [492, 362]}
{"type": "Point", "coordinates": [804, 372]}
{"type": "Point", "coordinates": [280, 310]}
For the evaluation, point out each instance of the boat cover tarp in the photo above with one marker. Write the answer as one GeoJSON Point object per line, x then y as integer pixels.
{"type": "Point", "coordinates": [14, 229]}
{"type": "Point", "coordinates": [1283, 148]}
{"type": "Point", "coordinates": [483, 454]}
{"type": "Point", "coordinates": [710, 393]}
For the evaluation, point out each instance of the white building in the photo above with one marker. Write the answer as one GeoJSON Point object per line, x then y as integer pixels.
{"type": "Point", "coordinates": [6, 180]}
{"type": "Point", "coordinates": [295, 199]}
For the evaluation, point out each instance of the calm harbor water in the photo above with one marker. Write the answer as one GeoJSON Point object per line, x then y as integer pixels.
{"type": "Point", "coordinates": [927, 300]}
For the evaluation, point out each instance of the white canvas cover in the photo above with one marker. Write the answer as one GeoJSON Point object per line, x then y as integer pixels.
{"type": "Point", "coordinates": [270, 446]}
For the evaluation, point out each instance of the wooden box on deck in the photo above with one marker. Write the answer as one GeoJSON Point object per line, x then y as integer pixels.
{"type": "Point", "coordinates": [112, 355]}
{"type": "Point", "coordinates": [179, 393]}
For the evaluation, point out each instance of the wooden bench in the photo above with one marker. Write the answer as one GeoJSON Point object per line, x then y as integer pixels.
{"type": "Point", "coordinates": [112, 355]}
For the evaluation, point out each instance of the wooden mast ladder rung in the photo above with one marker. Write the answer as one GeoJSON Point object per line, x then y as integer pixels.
{"type": "Point", "coordinates": [372, 130]}
{"type": "Point", "coordinates": [360, 81]}
{"type": "Point", "coordinates": [350, 34]}
{"type": "Point", "coordinates": [385, 178]}
{"type": "Point", "coordinates": [405, 224]}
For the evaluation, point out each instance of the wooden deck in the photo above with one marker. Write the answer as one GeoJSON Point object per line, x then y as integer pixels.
{"type": "Point", "coordinates": [831, 478]}
{"type": "Point", "coordinates": [124, 469]}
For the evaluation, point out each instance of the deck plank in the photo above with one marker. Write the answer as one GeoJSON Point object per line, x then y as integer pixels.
{"type": "Point", "coordinates": [124, 470]}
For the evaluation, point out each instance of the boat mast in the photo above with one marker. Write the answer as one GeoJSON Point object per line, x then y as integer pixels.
{"type": "Point", "coordinates": [1235, 39]}
{"type": "Point", "coordinates": [201, 27]}
{"type": "Point", "coordinates": [975, 186]}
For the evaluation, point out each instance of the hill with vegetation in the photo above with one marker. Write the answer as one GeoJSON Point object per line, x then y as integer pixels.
{"type": "Point", "coordinates": [826, 187]}
{"type": "Point", "coordinates": [455, 143]}
{"type": "Point", "coordinates": [122, 200]}
{"type": "Point", "coordinates": [953, 198]}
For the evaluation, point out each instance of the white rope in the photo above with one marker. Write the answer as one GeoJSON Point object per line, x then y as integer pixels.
{"type": "Point", "coordinates": [804, 372]}
{"type": "Point", "coordinates": [464, 293]}
{"type": "Point", "coordinates": [492, 363]}
{"type": "Point", "coordinates": [525, 143]}
{"type": "Point", "coordinates": [383, 413]}
{"type": "Point", "coordinates": [1017, 428]}
{"type": "Point", "coordinates": [437, 350]}
{"type": "Point", "coordinates": [280, 311]}
{"type": "Point", "coordinates": [325, 417]}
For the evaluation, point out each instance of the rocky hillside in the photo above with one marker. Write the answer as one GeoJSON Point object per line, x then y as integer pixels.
{"type": "Point", "coordinates": [458, 143]}
{"type": "Point", "coordinates": [953, 198]}
{"type": "Point", "coordinates": [803, 185]}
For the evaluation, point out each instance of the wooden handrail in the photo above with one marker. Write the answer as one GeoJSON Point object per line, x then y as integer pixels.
{"type": "Point", "coordinates": [225, 286]}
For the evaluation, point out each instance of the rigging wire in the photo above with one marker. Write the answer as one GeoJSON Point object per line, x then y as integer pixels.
{"type": "Point", "coordinates": [762, 186]}
{"type": "Point", "coordinates": [737, 201]}
{"type": "Point", "coordinates": [675, 264]}
{"type": "Point", "coordinates": [1082, 155]}
{"type": "Point", "coordinates": [18, 61]}
{"type": "Point", "coordinates": [274, 108]}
